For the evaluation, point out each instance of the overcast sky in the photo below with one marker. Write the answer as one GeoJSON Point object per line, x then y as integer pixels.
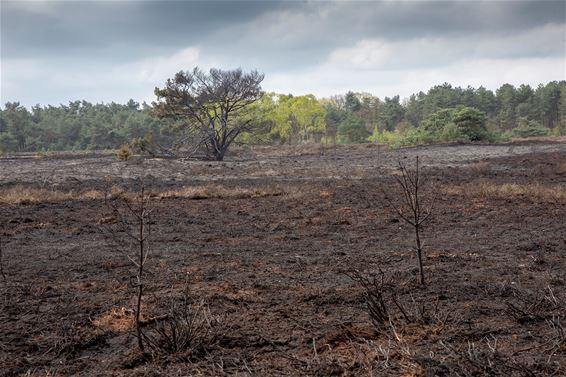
{"type": "Point", "coordinates": [53, 52]}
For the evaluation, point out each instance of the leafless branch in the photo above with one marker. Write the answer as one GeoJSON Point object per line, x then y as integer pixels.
{"type": "Point", "coordinates": [133, 223]}
{"type": "Point", "coordinates": [412, 209]}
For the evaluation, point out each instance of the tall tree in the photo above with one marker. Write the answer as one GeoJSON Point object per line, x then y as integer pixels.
{"type": "Point", "coordinates": [392, 112]}
{"type": "Point", "coordinates": [212, 107]}
{"type": "Point", "coordinates": [561, 128]}
{"type": "Point", "coordinates": [548, 99]}
{"type": "Point", "coordinates": [506, 101]}
{"type": "Point", "coordinates": [334, 116]}
{"type": "Point", "coordinates": [352, 130]}
{"type": "Point", "coordinates": [298, 119]}
{"type": "Point", "coordinates": [352, 102]}
{"type": "Point", "coordinates": [17, 123]}
{"type": "Point", "coordinates": [415, 109]}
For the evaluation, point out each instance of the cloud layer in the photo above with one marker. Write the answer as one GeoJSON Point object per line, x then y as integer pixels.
{"type": "Point", "coordinates": [56, 51]}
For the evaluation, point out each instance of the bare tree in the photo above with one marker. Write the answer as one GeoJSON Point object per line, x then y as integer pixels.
{"type": "Point", "coordinates": [131, 232]}
{"type": "Point", "coordinates": [412, 209]}
{"type": "Point", "coordinates": [212, 108]}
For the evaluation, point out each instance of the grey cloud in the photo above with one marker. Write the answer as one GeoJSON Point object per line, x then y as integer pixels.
{"type": "Point", "coordinates": [117, 27]}
{"type": "Point", "coordinates": [428, 18]}
{"type": "Point", "coordinates": [285, 39]}
{"type": "Point", "coordinates": [122, 28]}
{"type": "Point", "coordinates": [307, 33]}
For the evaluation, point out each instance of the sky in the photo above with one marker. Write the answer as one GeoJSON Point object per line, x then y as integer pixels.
{"type": "Point", "coordinates": [53, 52]}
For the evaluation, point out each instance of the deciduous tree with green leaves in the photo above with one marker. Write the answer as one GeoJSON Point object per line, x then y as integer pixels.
{"type": "Point", "coordinates": [297, 119]}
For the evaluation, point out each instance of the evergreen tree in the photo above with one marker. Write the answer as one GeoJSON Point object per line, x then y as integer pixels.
{"type": "Point", "coordinates": [352, 130]}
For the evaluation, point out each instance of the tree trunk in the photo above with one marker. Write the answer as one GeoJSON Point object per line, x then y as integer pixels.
{"type": "Point", "coordinates": [219, 153]}
{"type": "Point", "coordinates": [138, 316]}
{"type": "Point", "coordinates": [141, 261]}
{"type": "Point", "coordinates": [420, 255]}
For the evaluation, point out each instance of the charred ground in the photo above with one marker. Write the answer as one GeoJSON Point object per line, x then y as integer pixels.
{"type": "Point", "coordinates": [266, 239]}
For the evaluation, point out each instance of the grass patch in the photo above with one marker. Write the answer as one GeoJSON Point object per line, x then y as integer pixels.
{"type": "Point", "coordinates": [28, 195]}
{"type": "Point", "coordinates": [533, 191]}
{"type": "Point", "coordinates": [213, 191]}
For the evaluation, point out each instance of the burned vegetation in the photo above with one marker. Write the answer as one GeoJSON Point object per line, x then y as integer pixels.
{"type": "Point", "coordinates": [286, 261]}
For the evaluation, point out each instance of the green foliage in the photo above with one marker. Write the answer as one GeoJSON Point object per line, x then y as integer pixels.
{"type": "Point", "coordinates": [392, 112]}
{"type": "Point", "coordinates": [77, 126]}
{"type": "Point", "coordinates": [296, 119]}
{"type": "Point", "coordinates": [558, 130]}
{"type": "Point", "coordinates": [7, 142]}
{"type": "Point", "coordinates": [507, 102]}
{"type": "Point", "coordinates": [442, 114]}
{"type": "Point", "coordinates": [352, 102]}
{"type": "Point", "coordinates": [17, 124]}
{"type": "Point", "coordinates": [550, 100]}
{"type": "Point", "coordinates": [333, 119]}
{"type": "Point", "coordinates": [352, 130]}
{"type": "Point", "coordinates": [527, 128]}
{"type": "Point", "coordinates": [461, 124]}
{"type": "Point", "coordinates": [213, 108]}
{"type": "Point", "coordinates": [452, 133]}
{"type": "Point", "coordinates": [436, 122]}
{"type": "Point", "coordinates": [391, 138]}
{"type": "Point", "coordinates": [471, 123]}
{"type": "Point", "coordinates": [419, 136]}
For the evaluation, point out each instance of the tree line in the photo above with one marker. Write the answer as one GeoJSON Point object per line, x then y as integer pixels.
{"type": "Point", "coordinates": [443, 113]}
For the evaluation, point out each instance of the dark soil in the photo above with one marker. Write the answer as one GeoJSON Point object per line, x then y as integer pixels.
{"type": "Point", "coordinates": [274, 270]}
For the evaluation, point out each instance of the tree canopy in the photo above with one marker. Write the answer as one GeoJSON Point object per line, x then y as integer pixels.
{"type": "Point", "coordinates": [215, 109]}
{"type": "Point", "coordinates": [211, 108]}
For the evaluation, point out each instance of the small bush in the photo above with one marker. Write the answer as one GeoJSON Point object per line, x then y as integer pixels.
{"type": "Point", "coordinates": [437, 121]}
{"type": "Point", "coordinates": [124, 153]}
{"type": "Point", "coordinates": [460, 124]}
{"type": "Point", "coordinates": [452, 133]}
{"type": "Point", "coordinates": [528, 128]}
{"type": "Point", "coordinates": [419, 136]}
{"type": "Point", "coordinates": [391, 138]}
{"type": "Point", "coordinates": [185, 328]}
{"type": "Point", "coordinates": [471, 123]}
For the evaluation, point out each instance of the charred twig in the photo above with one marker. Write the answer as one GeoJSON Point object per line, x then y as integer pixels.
{"type": "Point", "coordinates": [533, 307]}
{"type": "Point", "coordinates": [558, 341]}
{"type": "Point", "coordinates": [184, 327]}
{"type": "Point", "coordinates": [374, 295]}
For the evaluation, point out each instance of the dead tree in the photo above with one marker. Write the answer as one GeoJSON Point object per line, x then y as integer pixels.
{"type": "Point", "coordinates": [131, 233]}
{"type": "Point", "coordinates": [412, 208]}
{"type": "Point", "coordinates": [212, 108]}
